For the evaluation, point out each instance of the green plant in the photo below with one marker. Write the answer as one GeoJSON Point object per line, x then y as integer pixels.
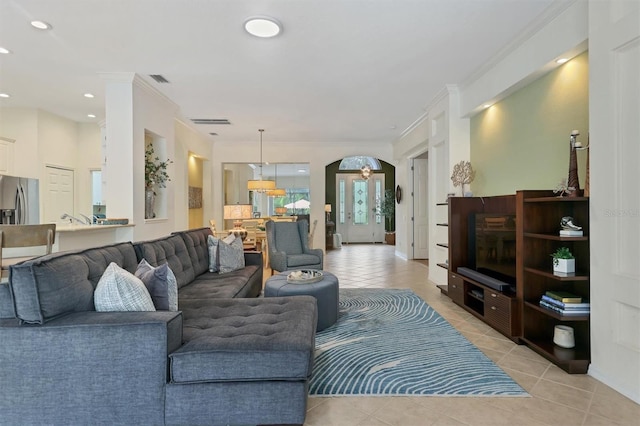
{"type": "Point", "coordinates": [561, 253]}
{"type": "Point", "coordinates": [155, 171]}
{"type": "Point", "coordinates": [388, 210]}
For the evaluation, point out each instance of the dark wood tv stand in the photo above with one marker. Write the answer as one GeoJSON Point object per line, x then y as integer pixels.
{"type": "Point", "coordinates": [499, 309]}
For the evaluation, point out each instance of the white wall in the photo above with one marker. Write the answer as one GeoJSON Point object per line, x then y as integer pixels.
{"type": "Point", "coordinates": [614, 214]}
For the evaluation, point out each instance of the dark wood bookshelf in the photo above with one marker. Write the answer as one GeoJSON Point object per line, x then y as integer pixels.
{"type": "Point", "coordinates": [538, 215]}
{"type": "Point", "coordinates": [445, 245]}
{"type": "Point", "coordinates": [443, 265]}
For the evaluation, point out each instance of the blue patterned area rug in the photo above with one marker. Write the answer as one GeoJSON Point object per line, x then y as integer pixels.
{"type": "Point", "coordinates": [390, 342]}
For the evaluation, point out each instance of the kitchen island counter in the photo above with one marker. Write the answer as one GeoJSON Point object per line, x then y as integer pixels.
{"type": "Point", "coordinates": [79, 236]}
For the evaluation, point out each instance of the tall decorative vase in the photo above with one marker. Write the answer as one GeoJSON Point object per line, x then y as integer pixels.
{"type": "Point", "coordinates": [149, 203]}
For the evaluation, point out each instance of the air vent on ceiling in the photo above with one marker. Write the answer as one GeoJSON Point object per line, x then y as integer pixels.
{"type": "Point", "coordinates": [213, 134]}
{"type": "Point", "coordinates": [158, 78]}
{"type": "Point", "coordinates": [210, 121]}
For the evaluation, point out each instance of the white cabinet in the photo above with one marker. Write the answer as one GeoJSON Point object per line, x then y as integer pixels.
{"type": "Point", "coordinates": [7, 154]}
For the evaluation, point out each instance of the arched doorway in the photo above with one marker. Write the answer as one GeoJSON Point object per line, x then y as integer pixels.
{"type": "Point", "coordinates": [355, 196]}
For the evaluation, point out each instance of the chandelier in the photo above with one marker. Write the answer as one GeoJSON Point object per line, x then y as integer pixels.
{"type": "Point", "coordinates": [261, 185]}
{"type": "Point", "coordinates": [365, 171]}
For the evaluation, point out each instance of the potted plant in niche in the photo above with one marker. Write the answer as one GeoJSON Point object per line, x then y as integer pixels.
{"type": "Point", "coordinates": [388, 210]}
{"type": "Point", "coordinates": [155, 176]}
{"type": "Point", "coordinates": [563, 261]}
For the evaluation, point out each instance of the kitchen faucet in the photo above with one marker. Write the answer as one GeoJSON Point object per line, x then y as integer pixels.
{"type": "Point", "coordinates": [72, 218]}
{"type": "Point", "coordinates": [90, 220]}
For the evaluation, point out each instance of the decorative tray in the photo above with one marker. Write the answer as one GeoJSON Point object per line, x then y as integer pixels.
{"type": "Point", "coordinates": [304, 276]}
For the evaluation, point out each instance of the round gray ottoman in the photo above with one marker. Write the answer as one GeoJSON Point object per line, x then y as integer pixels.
{"type": "Point", "coordinates": [325, 291]}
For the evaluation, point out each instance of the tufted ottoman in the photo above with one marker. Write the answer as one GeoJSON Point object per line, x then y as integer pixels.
{"type": "Point", "coordinates": [325, 292]}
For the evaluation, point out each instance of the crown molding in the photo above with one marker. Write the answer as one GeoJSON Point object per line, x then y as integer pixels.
{"type": "Point", "coordinates": [547, 16]}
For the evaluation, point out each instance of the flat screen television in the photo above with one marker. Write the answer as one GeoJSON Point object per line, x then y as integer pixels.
{"type": "Point", "coordinates": [492, 250]}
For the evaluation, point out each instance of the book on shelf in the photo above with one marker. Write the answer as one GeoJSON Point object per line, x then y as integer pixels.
{"type": "Point", "coordinates": [551, 307]}
{"type": "Point", "coordinates": [564, 296]}
{"type": "Point", "coordinates": [563, 305]}
{"type": "Point", "coordinates": [571, 233]}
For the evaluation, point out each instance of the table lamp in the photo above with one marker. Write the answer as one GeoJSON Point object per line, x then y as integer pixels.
{"type": "Point", "coordinates": [237, 212]}
{"type": "Point", "coordinates": [327, 210]}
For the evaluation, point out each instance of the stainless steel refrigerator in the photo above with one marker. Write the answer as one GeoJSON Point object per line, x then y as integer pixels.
{"type": "Point", "coordinates": [19, 200]}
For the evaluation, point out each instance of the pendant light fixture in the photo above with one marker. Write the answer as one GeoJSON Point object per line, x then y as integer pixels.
{"type": "Point", "coordinates": [261, 185]}
{"type": "Point", "coordinates": [278, 192]}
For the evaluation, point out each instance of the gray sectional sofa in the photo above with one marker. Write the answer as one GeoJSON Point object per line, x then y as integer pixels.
{"type": "Point", "coordinates": [226, 357]}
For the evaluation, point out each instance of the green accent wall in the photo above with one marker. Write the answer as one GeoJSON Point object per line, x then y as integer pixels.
{"type": "Point", "coordinates": [522, 142]}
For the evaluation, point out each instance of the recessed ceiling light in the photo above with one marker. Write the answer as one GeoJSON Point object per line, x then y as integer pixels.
{"type": "Point", "coordinates": [4, 50]}
{"type": "Point", "coordinates": [4, 95]}
{"type": "Point", "coordinates": [91, 115]}
{"type": "Point", "coordinates": [301, 171]}
{"type": "Point", "coordinates": [561, 60]}
{"type": "Point", "coordinates": [41, 25]}
{"type": "Point", "coordinates": [88, 95]}
{"type": "Point", "coordinates": [262, 26]}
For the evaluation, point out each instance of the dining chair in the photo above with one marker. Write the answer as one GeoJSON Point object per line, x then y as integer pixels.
{"type": "Point", "coordinates": [22, 236]}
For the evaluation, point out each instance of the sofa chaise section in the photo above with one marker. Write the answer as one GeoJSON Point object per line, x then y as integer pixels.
{"type": "Point", "coordinates": [257, 356]}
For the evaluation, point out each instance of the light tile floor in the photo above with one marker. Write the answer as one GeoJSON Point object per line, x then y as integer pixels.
{"type": "Point", "coordinates": [557, 398]}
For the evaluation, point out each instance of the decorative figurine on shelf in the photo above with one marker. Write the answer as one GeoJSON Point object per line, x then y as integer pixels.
{"type": "Point", "coordinates": [567, 223]}
{"type": "Point", "coordinates": [573, 181]}
{"type": "Point", "coordinates": [570, 229]}
{"type": "Point", "coordinates": [463, 173]}
{"type": "Point", "coordinates": [563, 189]}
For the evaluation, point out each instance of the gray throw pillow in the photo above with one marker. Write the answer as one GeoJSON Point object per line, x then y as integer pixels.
{"type": "Point", "coordinates": [212, 244]}
{"type": "Point", "coordinates": [119, 290]}
{"type": "Point", "coordinates": [230, 254]}
{"type": "Point", "coordinates": [161, 284]}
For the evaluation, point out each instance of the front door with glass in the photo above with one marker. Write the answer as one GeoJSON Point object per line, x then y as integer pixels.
{"type": "Point", "coordinates": [358, 208]}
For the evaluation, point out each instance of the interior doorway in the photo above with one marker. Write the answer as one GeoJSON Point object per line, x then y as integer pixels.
{"type": "Point", "coordinates": [59, 194]}
{"type": "Point", "coordinates": [420, 166]}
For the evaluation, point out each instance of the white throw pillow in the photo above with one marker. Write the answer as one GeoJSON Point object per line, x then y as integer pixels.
{"type": "Point", "coordinates": [119, 290]}
{"type": "Point", "coordinates": [230, 254]}
{"type": "Point", "coordinates": [161, 284]}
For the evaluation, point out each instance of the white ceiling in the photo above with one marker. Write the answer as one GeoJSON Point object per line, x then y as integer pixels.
{"type": "Point", "coordinates": [341, 71]}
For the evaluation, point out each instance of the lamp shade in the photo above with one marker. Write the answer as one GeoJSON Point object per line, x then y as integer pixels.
{"type": "Point", "coordinates": [237, 211]}
{"type": "Point", "coordinates": [278, 192]}
{"type": "Point", "coordinates": [327, 208]}
{"type": "Point", "coordinates": [261, 185]}
{"type": "Point", "coordinates": [280, 210]}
